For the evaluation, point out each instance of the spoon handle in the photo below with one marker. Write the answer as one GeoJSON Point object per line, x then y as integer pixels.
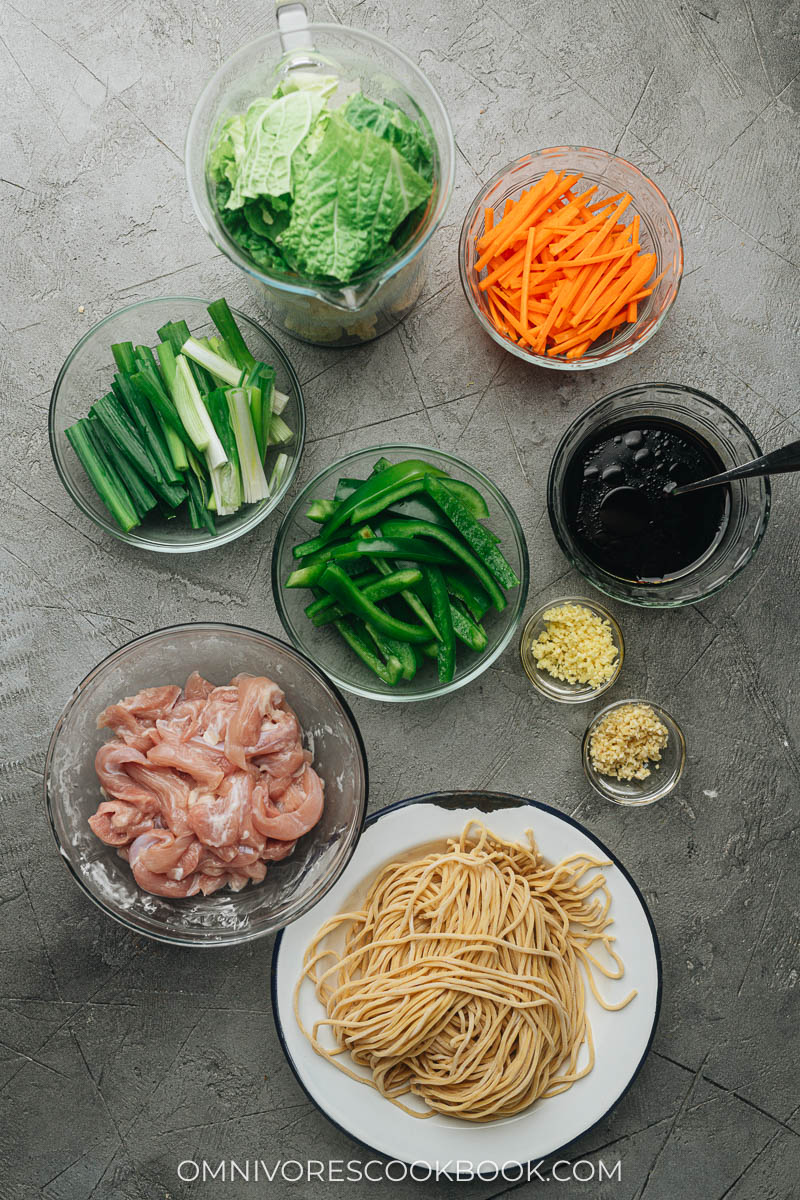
{"type": "Point", "coordinates": [777, 462]}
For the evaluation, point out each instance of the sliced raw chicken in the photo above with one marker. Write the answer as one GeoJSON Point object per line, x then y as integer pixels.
{"type": "Point", "coordinates": [204, 787]}
{"type": "Point", "coordinates": [296, 811]}
{"type": "Point", "coordinates": [197, 688]}
{"type": "Point", "coordinates": [258, 698]}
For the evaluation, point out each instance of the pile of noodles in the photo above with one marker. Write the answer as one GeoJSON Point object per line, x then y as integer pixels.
{"type": "Point", "coordinates": [461, 980]}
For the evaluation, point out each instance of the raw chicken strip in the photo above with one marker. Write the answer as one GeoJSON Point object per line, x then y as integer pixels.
{"type": "Point", "coordinates": [297, 811]}
{"type": "Point", "coordinates": [258, 698]}
{"type": "Point", "coordinates": [203, 788]}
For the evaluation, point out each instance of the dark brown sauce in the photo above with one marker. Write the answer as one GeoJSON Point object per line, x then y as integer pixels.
{"type": "Point", "coordinates": [618, 507]}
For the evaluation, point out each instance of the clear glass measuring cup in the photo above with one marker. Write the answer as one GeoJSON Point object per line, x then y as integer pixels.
{"type": "Point", "coordinates": [372, 302]}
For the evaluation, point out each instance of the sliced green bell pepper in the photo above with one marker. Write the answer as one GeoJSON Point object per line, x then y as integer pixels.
{"type": "Point", "coordinates": [374, 495]}
{"type": "Point", "coordinates": [390, 672]}
{"type": "Point", "coordinates": [321, 510]}
{"type": "Point", "coordinates": [413, 530]}
{"type": "Point", "coordinates": [391, 648]}
{"type": "Point", "coordinates": [340, 585]}
{"type": "Point", "coordinates": [474, 534]}
{"type": "Point", "coordinates": [468, 631]}
{"type": "Point", "coordinates": [411, 598]}
{"type": "Point", "coordinates": [471, 594]}
{"type": "Point", "coordinates": [379, 587]}
{"type": "Point", "coordinates": [440, 603]}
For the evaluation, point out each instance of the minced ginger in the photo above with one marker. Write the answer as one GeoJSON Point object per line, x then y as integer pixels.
{"type": "Point", "coordinates": [576, 646]}
{"type": "Point", "coordinates": [626, 740]}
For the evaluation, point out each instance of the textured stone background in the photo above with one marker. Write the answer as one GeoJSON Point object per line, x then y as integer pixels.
{"type": "Point", "coordinates": [120, 1057]}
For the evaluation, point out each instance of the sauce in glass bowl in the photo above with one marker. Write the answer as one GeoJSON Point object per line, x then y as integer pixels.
{"type": "Point", "coordinates": [618, 505]}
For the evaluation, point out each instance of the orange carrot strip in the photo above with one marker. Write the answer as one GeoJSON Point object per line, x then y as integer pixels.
{"type": "Point", "coordinates": [606, 203]}
{"type": "Point", "coordinates": [525, 214]}
{"type": "Point", "coordinates": [630, 314]}
{"type": "Point", "coordinates": [516, 211]}
{"type": "Point", "coordinates": [636, 277]}
{"type": "Point", "coordinates": [506, 265]}
{"type": "Point", "coordinates": [526, 278]}
{"type": "Point", "coordinates": [514, 322]}
{"type": "Point", "coordinates": [488, 220]}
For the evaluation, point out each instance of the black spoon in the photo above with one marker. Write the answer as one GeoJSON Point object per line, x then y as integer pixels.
{"type": "Point", "coordinates": [777, 462]}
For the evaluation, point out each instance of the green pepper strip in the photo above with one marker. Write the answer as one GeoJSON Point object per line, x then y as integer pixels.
{"type": "Point", "coordinates": [335, 581]}
{"type": "Point", "coordinates": [473, 533]}
{"type": "Point", "coordinates": [420, 507]}
{"type": "Point", "coordinates": [410, 530]}
{"type": "Point", "coordinates": [409, 549]}
{"type": "Point", "coordinates": [391, 648]}
{"type": "Point", "coordinates": [309, 575]}
{"type": "Point", "coordinates": [468, 631]}
{"type": "Point", "coordinates": [321, 510]}
{"type": "Point", "coordinates": [379, 491]}
{"type": "Point", "coordinates": [323, 603]}
{"type": "Point", "coordinates": [471, 594]}
{"type": "Point", "coordinates": [325, 610]}
{"type": "Point", "coordinates": [389, 673]}
{"type": "Point", "coordinates": [411, 598]}
{"type": "Point", "coordinates": [440, 602]}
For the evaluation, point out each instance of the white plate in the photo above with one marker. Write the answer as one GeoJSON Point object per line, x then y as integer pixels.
{"type": "Point", "coordinates": [622, 1039]}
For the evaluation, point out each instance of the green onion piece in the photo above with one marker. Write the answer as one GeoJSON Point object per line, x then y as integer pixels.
{"type": "Point", "coordinates": [262, 376]}
{"type": "Point", "coordinates": [150, 431]}
{"type": "Point", "coordinates": [278, 472]}
{"type": "Point", "coordinates": [212, 362]}
{"type": "Point", "coordinates": [194, 414]}
{"type": "Point", "coordinates": [223, 318]}
{"type": "Point", "coordinates": [226, 480]}
{"type": "Point", "coordinates": [140, 494]}
{"type": "Point", "coordinates": [279, 402]}
{"type": "Point", "coordinates": [197, 484]}
{"type": "Point", "coordinates": [124, 357]}
{"type": "Point", "coordinates": [220, 347]}
{"type": "Point", "coordinates": [254, 480]}
{"type": "Point", "coordinates": [104, 478]}
{"type": "Point", "coordinates": [279, 431]}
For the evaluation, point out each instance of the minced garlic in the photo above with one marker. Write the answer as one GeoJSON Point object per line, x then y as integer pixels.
{"type": "Point", "coordinates": [626, 740]}
{"type": "Point", "coordinates": [576, 646]}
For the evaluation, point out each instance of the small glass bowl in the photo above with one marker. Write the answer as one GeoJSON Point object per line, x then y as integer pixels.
{"type": "Point", "coordinates": [324, 645]}
{"type": "Point", "coordinates": [663, 776]}
{"type": "Point", "coordinates": [750, 499]}
{"type": "Point", "coordinates": [659, 235]}
{"type": "Point", "coordinates": [547, 684]}
{"type": "Point", "coordinates": [218, 652]}
{"type": "Point", "coordinates": [87, 374]}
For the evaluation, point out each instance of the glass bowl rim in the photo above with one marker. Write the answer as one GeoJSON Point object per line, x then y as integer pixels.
{"type": "Point", "coordinates": [260, 511]}
{"type": "Point", "coordinates": [543, 360]}
{"type": "Point", "coordinates": [239, 937]}
{"type": "Point", "coordinates": [443, 689]}
{"type": "Point", "coordinates": [228, 247]}
{"type": "Point", "coordinates": [576, 697]}
{"type": "Point", "coordinates": [659, 793]}
{"type": "Point", "coordinates": [631, 390]}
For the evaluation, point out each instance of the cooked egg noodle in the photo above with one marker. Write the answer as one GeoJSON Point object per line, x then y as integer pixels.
{"type": "Point", "coordinates": [461, 980]}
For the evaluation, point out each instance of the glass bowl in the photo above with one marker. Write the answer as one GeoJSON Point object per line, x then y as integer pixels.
{"type": "Point", "coordinates": [547, 684]}
{"type": "Point", "coordinates": [319, 311]}
{"type": "Point", "coordinates": [749, 498]}
{"type": "Point", "coordinates": [323, 644]}
{"type": "Point", "coordinates": [291, 887]}
{"type": "Point", "coordinates": [663, 777]}
{"type": "Point", "coordinates": [87, 374]}
{"type": "Point", "coordinates": [659, 234]}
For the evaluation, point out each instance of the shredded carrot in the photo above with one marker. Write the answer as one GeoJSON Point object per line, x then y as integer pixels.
{"type": "Point", "coordinates": [559, 272]}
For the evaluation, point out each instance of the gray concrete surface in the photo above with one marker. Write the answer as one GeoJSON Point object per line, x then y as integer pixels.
{"type": "Point", "coordinates": [119, 1058]}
